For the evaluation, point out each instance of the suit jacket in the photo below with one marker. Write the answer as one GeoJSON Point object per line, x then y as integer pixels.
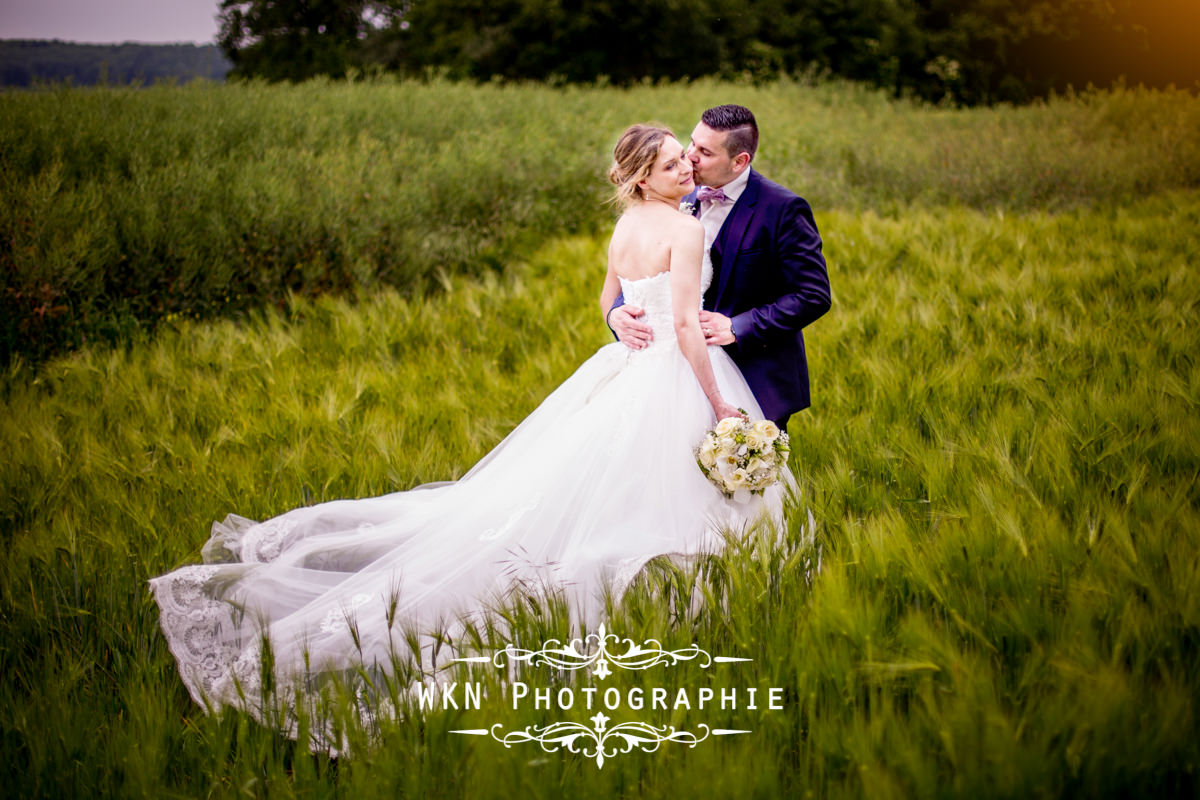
{"type": "Point", "coordinates": [769, 278]}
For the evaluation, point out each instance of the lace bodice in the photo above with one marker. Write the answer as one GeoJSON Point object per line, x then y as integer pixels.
{"type": "Point", "coordinates": [654, 295]}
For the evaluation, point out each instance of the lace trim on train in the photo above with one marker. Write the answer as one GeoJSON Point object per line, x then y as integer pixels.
{"type": "Point", "coordinates": [200, 629]}
{"type": "Point", "coordinates": [266, 540]}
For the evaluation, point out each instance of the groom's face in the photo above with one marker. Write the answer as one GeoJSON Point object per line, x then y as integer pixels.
{"type": "Point", "coordinates": [710, 158]}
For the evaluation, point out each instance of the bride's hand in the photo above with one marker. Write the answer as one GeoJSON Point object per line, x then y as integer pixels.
{"type": "Point", "coordinates": [723, 410]}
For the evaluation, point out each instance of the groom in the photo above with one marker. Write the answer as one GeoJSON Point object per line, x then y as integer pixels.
{"type": "Point", "coordinates": [769, 277]}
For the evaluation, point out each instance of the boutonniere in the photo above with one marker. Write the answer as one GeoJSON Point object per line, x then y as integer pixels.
{"type": "Point", "coordinates": [687, 207]}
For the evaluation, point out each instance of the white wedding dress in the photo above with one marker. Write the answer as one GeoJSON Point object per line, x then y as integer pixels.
{"type": "Point", "coordinates": [599, 479]}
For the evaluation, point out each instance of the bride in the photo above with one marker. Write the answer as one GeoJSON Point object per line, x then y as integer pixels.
{"type": "Point", "coordinates": [599, 479]}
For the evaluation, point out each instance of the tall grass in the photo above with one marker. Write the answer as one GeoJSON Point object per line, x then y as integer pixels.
{"type": "Point", "coordinates": [120, 208]}
{"type": "Point", "coordinates": [1002, 466]}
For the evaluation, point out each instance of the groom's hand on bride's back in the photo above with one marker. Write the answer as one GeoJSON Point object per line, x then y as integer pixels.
{"type": "Point", "coordinates": [630, 330]}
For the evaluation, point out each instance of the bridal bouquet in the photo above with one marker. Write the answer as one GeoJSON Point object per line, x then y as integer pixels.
{"type": "Point", "coordinates": [742, 458]}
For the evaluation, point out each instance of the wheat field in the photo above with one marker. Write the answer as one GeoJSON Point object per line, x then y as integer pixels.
{"type": "Point", "coordinates": [998, 594]}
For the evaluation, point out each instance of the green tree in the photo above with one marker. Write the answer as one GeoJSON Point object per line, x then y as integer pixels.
{"type": "Point", "coordinates": [1001, 50]}
{"type": "Point", "coordinates": [571, 40]}
{"type": "Point", "coordinates": [964, 51]}
{"type": "Point", "coordinates": [292, 39]}
{"type": "Point", "coordinates": [870, 40]}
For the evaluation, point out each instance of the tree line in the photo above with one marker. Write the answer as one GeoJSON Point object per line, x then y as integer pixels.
{"type": "Point", "coordinates": [964, 51]}
{"type": "Point", "coordinates": [25, 62]}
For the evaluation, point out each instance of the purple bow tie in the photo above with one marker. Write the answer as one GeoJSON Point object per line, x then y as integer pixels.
{"type": "Point", "coordinates": [708, 193]}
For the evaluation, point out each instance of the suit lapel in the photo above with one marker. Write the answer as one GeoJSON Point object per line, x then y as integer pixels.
{"type": "Point", "coordinates": [729, 238]}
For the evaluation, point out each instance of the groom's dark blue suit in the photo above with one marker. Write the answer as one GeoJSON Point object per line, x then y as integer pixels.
{"type": "Point", "coordinates": [769, 278]}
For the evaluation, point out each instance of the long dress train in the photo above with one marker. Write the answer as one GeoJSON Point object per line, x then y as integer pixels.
{"type": "Point", "coordinates": [599, 479]}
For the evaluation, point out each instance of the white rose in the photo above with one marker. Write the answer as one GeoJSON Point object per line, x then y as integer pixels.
{"type": "Point", "coordinates": [728, 426]}
{"type": "Point", "coordinates": [708, 452]}
{"type": "Point", "coordinates": [757, 440]}
{"type": "Point", "coordinates": [766, 428]}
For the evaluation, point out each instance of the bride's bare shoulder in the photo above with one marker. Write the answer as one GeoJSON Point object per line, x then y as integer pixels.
{"type": "Point", "coordinates": [660, 219]}
{"type": "Point", "coordinates": [690, 224]}
{"type": "Point", "coordinates": [683, 227]}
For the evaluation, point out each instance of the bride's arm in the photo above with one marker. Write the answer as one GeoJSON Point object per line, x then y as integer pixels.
{"type": "Point", "coordinates": [612, 288]}
{"type": "Point", "coordinates": [687, 251]}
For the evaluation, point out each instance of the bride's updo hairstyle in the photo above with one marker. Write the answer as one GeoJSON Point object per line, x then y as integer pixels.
{"type": "Point", "coordinates": [633, 158]}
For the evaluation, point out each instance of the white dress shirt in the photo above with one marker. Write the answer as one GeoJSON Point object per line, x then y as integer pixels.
{"type": "Point", "coordinates": [713, 215]}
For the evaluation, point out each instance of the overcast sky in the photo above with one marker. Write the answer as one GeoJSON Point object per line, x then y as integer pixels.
{"type": "Point", "coordinates": [105, 21]}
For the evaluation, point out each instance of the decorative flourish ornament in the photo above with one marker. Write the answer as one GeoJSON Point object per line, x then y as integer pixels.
{"type": "Point", "coordinates": [593, 651]}
{"type": "Point", "coordinates": [599, 741]}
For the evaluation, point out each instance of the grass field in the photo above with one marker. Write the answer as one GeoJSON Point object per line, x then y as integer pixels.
{"type": "Point", "coordinates": [1002, 463]}
{"type": "Point", "coordinates": [124, 208]}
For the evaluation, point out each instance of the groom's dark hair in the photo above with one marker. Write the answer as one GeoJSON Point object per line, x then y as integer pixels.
{"type": "Point", "coordinates": [738, 122]}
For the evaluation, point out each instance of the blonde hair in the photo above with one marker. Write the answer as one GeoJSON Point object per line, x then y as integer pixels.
{"type": "Point", "coordinates": [633, 159]}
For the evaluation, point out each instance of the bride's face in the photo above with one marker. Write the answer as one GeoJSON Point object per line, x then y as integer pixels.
{"type": "Point", "coordinates": [671, 175]}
